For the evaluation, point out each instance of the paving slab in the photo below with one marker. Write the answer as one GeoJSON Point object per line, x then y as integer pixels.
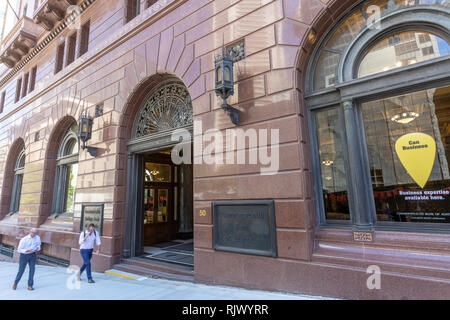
{"type": "Point", "coordinates": [56, 283]}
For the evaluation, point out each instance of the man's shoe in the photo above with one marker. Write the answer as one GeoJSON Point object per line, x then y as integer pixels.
{"type": "Point", "coordinates": [30, 288]}
{"type": "Point", "coordinates": [91, 281]}
{"type": "Point", "coordinates": [14, 286]}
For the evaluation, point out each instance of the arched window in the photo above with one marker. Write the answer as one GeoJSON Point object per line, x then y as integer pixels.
{"type": "Point", "coordinates": [402, 49]}
{"type": "Point", "coordinates": [66, 174]}
{"type": "Point", "coordinates": [378, 98]}
{"type": "Point", "coordinates": [17, 184]}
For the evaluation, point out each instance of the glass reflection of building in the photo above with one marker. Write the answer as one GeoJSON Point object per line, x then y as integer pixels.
{"type": "Point", "coordinates": [384, 120]}
{"type": "Point", "coordinates": [389, 177]}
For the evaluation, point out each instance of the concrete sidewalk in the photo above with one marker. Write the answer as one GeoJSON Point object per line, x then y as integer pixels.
{"type": "Point", "coordinates": [51, 284]}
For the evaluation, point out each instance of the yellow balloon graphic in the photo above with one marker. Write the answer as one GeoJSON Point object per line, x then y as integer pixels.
{"type": "Point", "coordinates": [417, 152]}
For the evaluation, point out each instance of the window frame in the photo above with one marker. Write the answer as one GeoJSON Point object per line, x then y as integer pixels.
{"type": "Point", "coordinates": [18, 89]}
{"type": "Point", "coordinates": [71, 53]}
{"type": "Point", "coordinates": [26, 79]}
{"type": "Point", "coordinates": [63, 164]}
{"type": "Point", "coordinates": [132, 9]}
{"type": "Point", "coordinates": [16, 194]}
{"type": "Point", "coordinates": [2, 101]}
{"type": "Point", "coordinates": [85, 32]}
{"type": "Point", "coordinates": [33, 74]}
{"type": "Point", "coordinates": [60, 56]}
{"type": "Point", "coordinates": [350, 92]}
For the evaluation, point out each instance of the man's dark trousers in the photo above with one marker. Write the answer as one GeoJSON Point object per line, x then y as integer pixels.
{"type": "Point", "coordinates": [86, 254]}
{"type": "Point", "coordinates": [25, 259]}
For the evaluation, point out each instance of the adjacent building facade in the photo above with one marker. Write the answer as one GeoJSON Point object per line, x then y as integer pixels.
{"type": "Point", "coordinates": [357, 92]}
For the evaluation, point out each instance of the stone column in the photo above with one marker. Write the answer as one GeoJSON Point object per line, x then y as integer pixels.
{"type": "Point", "coordinates": [362, 203]}
{"type": "Point", "coordinates": [186, 200]}
{"type": "Point", "coordinates": [130, 207]}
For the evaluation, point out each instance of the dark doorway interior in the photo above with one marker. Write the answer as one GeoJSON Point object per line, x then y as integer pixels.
{"type": "Point", "coordinates": [167, 209]}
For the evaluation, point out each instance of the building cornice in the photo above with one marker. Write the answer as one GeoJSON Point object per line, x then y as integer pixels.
{"type": "Point", "coordinates": [146, 18]}
{"type": "Point", "coordinates": [44, 43]}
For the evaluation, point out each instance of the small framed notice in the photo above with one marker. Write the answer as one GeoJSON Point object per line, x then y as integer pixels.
{"type": "Point", "coordinates": [92, 213]}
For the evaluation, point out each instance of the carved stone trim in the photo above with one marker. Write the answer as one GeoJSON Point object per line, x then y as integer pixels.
{"type": "Point", "coordinates": [140, 21]}
{"type": "Point", "coordinates": [41, 45]}
{"type": "Point", "coordinates": [237, 51]}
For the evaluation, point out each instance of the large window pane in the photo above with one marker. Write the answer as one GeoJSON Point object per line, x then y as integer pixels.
{"type": "Point", "coordinates": [361, 18]}
{"type": "Point", "coordinates": [72, 174]}
{"type": "Point", "coordinates": [332, 165]}
{"type": "Point", "coordinates": [326, 71]}
{"type": "Point", "coordinates": [149, 206]}
{"type": "Point", "coordinates": [155, 172]}
{"type": "Point", "coordinates": [163, 197]}
{"type": "Point", "coordinates": [408, 140]}
{"type": "Point", "coordinates": [402, 49]}
{"type": "Point", "coordinates": [17, 191]}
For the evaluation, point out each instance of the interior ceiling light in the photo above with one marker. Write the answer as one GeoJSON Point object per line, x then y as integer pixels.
{"type": "Point", "coordinates": [405, 117]}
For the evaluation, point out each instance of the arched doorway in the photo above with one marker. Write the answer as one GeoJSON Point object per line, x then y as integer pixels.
{"type": "Point", "coordinates": [159, 204]}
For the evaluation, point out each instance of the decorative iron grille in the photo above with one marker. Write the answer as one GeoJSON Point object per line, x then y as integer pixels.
{"type": "Point", "coordinates": [168, 106]}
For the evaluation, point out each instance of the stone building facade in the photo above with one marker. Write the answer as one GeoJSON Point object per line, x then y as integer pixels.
{"type": "Point", "coordinates": [53, 73]}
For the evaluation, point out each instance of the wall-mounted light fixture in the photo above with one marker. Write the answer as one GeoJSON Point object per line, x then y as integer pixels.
{"type": "Point", "coordinates": [85, 133]}
{"type": "Point", "coordinates": [225, 83]}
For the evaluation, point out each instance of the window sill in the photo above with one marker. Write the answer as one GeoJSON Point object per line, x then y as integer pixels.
{"type": "Point", "coordinates": [387, 237]}
{"type": "Point", "coordinates": [404, 253]}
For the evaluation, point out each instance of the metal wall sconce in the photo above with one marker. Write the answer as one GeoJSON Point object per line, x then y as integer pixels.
{"type": "Point", "coordinates": [85, 134]}
{"type": "Point", "coordinates": [225, 83]}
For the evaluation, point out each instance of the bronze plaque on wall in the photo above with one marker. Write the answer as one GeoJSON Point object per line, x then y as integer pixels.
{"type": "Point", "coordinates": [92, 213]}
{"type": "Point", "coordinates": [245, 227]}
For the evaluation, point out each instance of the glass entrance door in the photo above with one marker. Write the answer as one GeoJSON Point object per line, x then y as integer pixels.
{"type": "Point", "coordinates": [160, 200]}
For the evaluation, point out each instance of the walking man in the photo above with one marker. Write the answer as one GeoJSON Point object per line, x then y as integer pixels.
{"type": "Point", "coordinates": [88, 239]}
{"type": "Point", "coordinates": [28, 247]}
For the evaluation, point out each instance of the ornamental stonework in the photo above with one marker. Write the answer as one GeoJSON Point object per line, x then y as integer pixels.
{"type": "Point", "coordinates": [167, 107]}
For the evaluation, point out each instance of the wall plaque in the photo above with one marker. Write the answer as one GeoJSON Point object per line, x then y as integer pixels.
{"type": "Point", "coordinates": [245, 227]}
{"type": "Point", "coordinates": [363, 236]}
{"type": "Point", "coordinates": [92, 213]}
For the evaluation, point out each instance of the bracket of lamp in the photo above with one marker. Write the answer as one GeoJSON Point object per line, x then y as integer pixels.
{"type": "Point", "coordinates": [233, 113]}
{"type": "Point", "coordinates": [91, 150]}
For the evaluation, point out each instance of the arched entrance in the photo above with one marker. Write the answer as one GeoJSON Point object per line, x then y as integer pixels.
{"type": "Point", "coordinates": [159, 203]}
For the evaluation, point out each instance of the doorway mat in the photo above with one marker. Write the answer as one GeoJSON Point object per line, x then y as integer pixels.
{"type": "Point", "coordinates": [174, 257]}
{"type": "Point", "coordinates": [183, 248]}
{"type": "Point", "coordinates": [166, 244]}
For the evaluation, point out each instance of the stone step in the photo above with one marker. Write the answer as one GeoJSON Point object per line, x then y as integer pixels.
{"type": "Point", "coordinates": [125, 275]}
{"type": "Point", "coordinates": [152, 273]}
{"type": "Point", "coordinates": [160, 266]}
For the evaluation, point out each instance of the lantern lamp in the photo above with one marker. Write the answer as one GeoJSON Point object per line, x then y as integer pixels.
{"type": "Point", "coordinates": [85, 133]}
{"type": "Point", "coordinates": [224, 87]}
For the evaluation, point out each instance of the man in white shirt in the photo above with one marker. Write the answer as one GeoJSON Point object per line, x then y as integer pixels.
{"type": "Point", "coordinates": [28, 247]}
{"type": "Point", "coordinates": [88, 239]}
